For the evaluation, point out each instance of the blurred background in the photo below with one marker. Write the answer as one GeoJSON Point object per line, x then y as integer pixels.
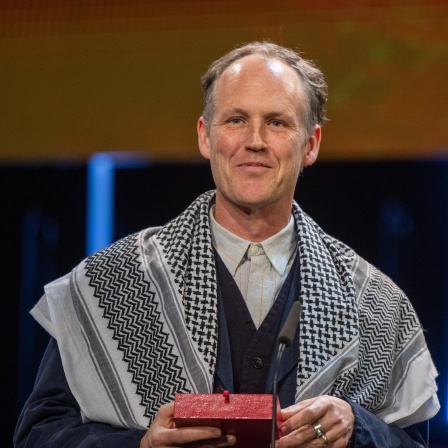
{"type": "Point", "coordinates": [98, 108]}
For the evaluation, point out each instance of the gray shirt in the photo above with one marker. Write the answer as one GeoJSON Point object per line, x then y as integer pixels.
{"type": "Point", "coordinates": [259, 269]}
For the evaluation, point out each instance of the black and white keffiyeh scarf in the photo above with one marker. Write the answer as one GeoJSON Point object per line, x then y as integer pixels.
{"type": "Point", "coordinates": [137, 322]}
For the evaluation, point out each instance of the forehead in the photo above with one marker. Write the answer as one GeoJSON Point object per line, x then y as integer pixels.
{"type": "Point", "coordinates": [259, 73]}
{"type": "Point", "coordinates": [268, 64]}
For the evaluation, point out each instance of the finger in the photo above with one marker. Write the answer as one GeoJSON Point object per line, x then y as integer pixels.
{"type": "Point", "coordinates": [309, 434]}
{"type": "Point", "coordinates": [297, 407]}
{"type": "Point", "coordinates": [304, 418]}
{"type": "Point", "coordinates": [305, 432]}
{"type": "Point", "coordinates": [226, 440]}
{"type": "Point", "coordinates": [165, 415]}
{"type": "Point", "coordinates": [332, 434]}
{"type": "Point", "coordinates": [336, 433]}
{"type": "Point", "coordinates": [299, 439]}
{"type": "Point", "coordinates": [185, 435]}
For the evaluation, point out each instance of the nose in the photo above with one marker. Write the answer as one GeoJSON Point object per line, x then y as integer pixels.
{"type": "Point", "coordinates": [255, 139]}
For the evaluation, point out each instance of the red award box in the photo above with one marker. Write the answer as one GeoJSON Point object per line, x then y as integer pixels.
{"type": "Point", "coordinates": [247, 416]}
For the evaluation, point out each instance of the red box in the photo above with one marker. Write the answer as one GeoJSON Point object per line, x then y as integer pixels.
{"type": "Point", "coordinates": [247, 416]}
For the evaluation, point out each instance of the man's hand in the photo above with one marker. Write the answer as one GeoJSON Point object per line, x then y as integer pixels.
{"type": "Point", "coordinates": [163, 433]}
{"type": "Point", "coordinates": [301, 424]}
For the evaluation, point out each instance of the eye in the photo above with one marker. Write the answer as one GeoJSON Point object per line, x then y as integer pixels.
{"type": "Point", "coordinates": [277, 123]}
{"type": "Point", "coordinates": [235, 120]}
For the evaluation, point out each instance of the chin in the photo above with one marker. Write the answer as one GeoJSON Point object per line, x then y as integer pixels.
{"type": "Point", "coordinates": [250, 196]}
{"type": "Point", "coordinates": [253, 201]}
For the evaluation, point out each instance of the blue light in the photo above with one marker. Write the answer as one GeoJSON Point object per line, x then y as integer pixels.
{"type": "Point", "coordinates": [100, 202]}
{"type": "Point", "coordinates": [101, 195]}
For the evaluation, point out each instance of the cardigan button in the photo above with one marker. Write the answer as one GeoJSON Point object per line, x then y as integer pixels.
{"type": "Point", "coordinates": [257, 362]}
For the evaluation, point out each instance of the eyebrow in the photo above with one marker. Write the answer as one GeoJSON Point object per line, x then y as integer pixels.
{"type": "Point", "coordinates": [240, 111]}
{"type": "Point", "coordinates": [236, 110]}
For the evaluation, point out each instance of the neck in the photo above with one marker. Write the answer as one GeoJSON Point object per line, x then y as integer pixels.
{"type": "Point", "coordinates": [253, 224]}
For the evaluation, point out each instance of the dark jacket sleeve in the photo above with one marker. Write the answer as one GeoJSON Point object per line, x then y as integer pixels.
{"type": "Point", "coordinates": [372, 432]}
{"type": "Point", "coordinates": [51, 417]}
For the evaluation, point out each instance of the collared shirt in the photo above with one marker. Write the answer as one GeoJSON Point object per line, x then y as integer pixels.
{"type": "Point", "coordinates": [259, 269]}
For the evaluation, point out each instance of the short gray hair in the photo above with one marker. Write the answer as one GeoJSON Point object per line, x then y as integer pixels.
{"type": "Point", "coordinates": [312, 78]}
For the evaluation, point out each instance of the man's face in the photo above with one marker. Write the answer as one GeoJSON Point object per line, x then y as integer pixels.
{"type": "Point", "coordinates": [257, 142]}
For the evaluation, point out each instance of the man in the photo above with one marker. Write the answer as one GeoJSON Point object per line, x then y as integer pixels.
{"type": "Point", "coordinates": [197, 304]}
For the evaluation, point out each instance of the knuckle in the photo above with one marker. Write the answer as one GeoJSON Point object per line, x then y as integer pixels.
{"type": "Point", "coordinates": [155, 440]}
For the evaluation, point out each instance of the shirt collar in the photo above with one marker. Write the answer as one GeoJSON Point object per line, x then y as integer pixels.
{"type": "Point", "coordinates": [279, 248]}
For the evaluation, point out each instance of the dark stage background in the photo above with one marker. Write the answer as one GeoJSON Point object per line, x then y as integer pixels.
{"type": "Point", "coordinates": [394, 214]}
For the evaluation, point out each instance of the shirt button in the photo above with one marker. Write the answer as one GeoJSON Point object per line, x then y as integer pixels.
{"type": "Point", "coordinates": [257, 362]}
{"type": "Point", "coordinates": [254, 249]}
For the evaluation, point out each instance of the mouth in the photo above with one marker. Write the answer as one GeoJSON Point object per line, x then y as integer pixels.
{"type": "Point", "coordinates": [254, 165]}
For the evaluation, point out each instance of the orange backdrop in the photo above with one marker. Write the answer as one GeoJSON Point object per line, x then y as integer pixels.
{"type": "Point", "coordinates": [108, 75]}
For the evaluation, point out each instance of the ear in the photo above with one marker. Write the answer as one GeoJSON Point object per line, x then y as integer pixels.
{"type": "Point", "coordinates": [312, 147]}
{"type": "Point", "coordinates": [203, 138]}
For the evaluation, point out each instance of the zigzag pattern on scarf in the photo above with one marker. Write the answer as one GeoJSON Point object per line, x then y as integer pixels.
{"type": "Point", "coordinates": [126, 298]}
{"type": "Point", "coordinates": [187, 244]}
{"type": "Point", "coordinates": [385, 334]}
